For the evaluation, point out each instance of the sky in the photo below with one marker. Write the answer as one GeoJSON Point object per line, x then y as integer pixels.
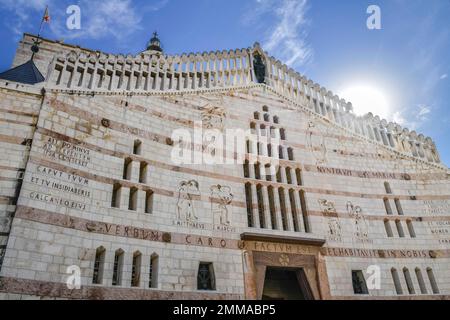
{"type": "Point", "coordinates": [400, 72]}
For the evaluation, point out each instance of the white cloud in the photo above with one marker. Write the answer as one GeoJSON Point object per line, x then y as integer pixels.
{"type": "Point", "coordinates": [99, 18]}
{"type": "Point", "coordinates": [413, 118]}
{"type": "Point", "coordinates": [444, 76]}
{"type": "Point", "coordinates": [286, 36]}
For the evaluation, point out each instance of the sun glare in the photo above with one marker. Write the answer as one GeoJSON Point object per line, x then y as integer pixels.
{"type": "Point", "coordinates": [367, 99]}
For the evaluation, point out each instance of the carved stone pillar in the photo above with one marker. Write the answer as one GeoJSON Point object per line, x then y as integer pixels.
{"type": "Point", "coordinates": [265, 196]}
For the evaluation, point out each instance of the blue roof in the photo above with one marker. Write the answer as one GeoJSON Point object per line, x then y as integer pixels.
{"type": "Point", "coordinates": [26, 73]}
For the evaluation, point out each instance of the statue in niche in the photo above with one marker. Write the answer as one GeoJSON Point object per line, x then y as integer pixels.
{"type": "Point", "coordinates": [360, 224]}
{"type": "Point", "coordinates": [225, 197]}
{"type": "Point", "coordinates": [185, 205]}
{"type": "Point", "coordinates": [213, 117]}
{"type": "Point", "coordinates": [259, 68]}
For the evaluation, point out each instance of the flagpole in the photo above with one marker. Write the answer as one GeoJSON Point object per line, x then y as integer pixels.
{"type": "Point", "coordinates": [35, 47]}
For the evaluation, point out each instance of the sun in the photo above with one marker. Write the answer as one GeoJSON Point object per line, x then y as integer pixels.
{"type": "Point", "coordinates": [365, 99]}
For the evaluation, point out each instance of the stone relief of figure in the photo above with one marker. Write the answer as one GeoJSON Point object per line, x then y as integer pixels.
{"type": "Point", "coordinates": [321, 154]}
{"type": "Point", "coordinates": [360, 226]}
{"type": "Point", "coordinates": [213, 117]}
{"type": "Point", "coordinates": [185, 205]}
{"type": "Point", "coordinates": [334, 225]}
{"type": "Point", "coordinates": [327, 207]}
{"type": "Point", "coordinates": [259, 68]}
{"type": "Point", "coordinates": [221, 209]}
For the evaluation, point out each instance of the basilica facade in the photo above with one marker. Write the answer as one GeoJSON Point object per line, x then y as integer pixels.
{"type": "Point", "coordinates": [215, 175]}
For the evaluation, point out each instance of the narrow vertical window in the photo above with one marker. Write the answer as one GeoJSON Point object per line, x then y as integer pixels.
{"type": "Point", "coordinates": [249, 203]}
{"type": "Point", "coordinates": [411, 231]}
{"type": "Point", "coordinates": [304, 211]}
{"type": "Point", "coordinates": [136, 269]}
{"type": "Point", "coordinates": [272, 208]}
{"type": "Point", "coordinates": [276, 120]}
{"type": "Point", "coordinates": [422, 286]}
{"type": "Point", "coordinates": [359, 283]}
{"type": "Point", "coordinates": [269, 150]}
{"type": "Point", "coordinates": [387, 187]}
{"type": "Point", "coordinates": [137, 148]}
{"type": "Point", "coordinates": [117, 268]}
{"type": "Point", "coordinates": [205, 277]}
{"type": "Point", "coordinates": [387, 206]}
{"type": "Point", "coordinates": [294, 210]}
{"type": "Point", "coordinates": [143, 172]}
{"type": "Point", "coordinates": [267, 172]}
{"type": "Point", "coordinates": [262, 220]}
{"type": "Point", "coordinates": [399, 207]}
{"type": "Point", "coordinates": [298, 173]}
{"type": "Point", "coordinates": [288, 175]}
{"type": "Point", "coordinates": [408, 280]}
{"type": "Point", "coordinates": [127, 165]}
{"type": "Point", "coordinates": [132, 203]}
{"type": "Point", "coordinates": [265, 108]}
{"type": "Point", "coordinates": [116, 194]}
{"type": "Point", "coordinates": [266, 117]}
{"type": "Point", "coordinates": [280, 152]}
{"type": "Point", "coordinates": [99, 264]}
{"type": "Point", "coordinates": [257, 171]}
{"type": "Point", "coordinates": [153, 271]}
{"type": "Point", "coordinates": [432, 280]}
{"type": "Point", "coordinates": [283, 208]}
{"type": "Point", "coordinates": [398, 224]}
{"type": "Point", "coordinates": [282, 134]}
{"type": "Point", "coordinates": [396, 279]}
{"type": "Point", "coordinates": [387, 226]}
{"type": "Point", "coordinates": [291, 154]}
{"type": "Point", "coordinates": [256, 115]}
{"type": "Point", "coordinates": [246, 169]}
{"type": "Point", "coordinates": [148, 201]}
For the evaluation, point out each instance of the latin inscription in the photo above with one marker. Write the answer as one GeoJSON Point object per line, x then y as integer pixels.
{"type": "Point", "coordinates": [67, 152]}
{"type": "Point", "coordinates": [436, 206]}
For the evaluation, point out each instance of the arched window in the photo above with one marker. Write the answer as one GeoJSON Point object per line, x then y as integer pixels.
{"type": "Point", "coordinates": [136, 269]}
{"type": "Point", "coordinates": [137, 147]}
{"type": "Point", "coordinates": [422, 286]}
{"type": "Point", "coordinates": [399, 207]}
{"type": "Point", "coordinates": [149, 201]}
{"type": "Point", "coordinates": [387, 187]}
{"type": "Point", "coordinates": [269, 150]}
{"type": "Point", "coordinates": [205, 278]}
{"type": "Point", "coordinates": [99, 264]}
{"type": "Point", "coordinates": [117, 268]}
{"type": "Point", "coordinates": [265, 108]}
{"type": "Point", "coordinates": [116, 194]}
{"type": "Point", "coordinates": [153, 271]}
{"type": "Point", "coordinates": [408, 280]}
{"type": "Point", "coordinates": [256, 115]}
{"type": "Point", "coordinates": [133, 202]}
{"type": "Point", "coordinates": [298, 173]}
{"type": "Point", "coordinates": [432, 280]}
{"type": "Point", "coordinates": [143, 172]}
{"type": "Point", "coordinates": [398, 224]}
{"type": "Point", "coordinates": [253, 128]}
{"type": "Point", "coordinates": [276, 120]}
{"type": "Point", "coordinates": [387, 226]}
{"type": "Point", "coordinates": [127, 165]}
{"type": "Point", "coordinates": [411, 231]}
{"type": "Point", "coordinates": [359, 283]}
{"type": "Point", "coordinates": [279, 180]}
{"type": "Point", "coordinates": [249, 203]}
{"type": "Point", "coordinates": [268, 172]}
{"type": "Point", "coordinates": [396, 279]}
{"type": "Point", "coordinates": [266, 117]}
{"type": "Point", "coordinates": [387, 206]}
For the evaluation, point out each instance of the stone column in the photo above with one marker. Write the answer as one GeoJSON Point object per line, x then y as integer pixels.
{"type": "Point", "coordinates": [276, 200]}
{"type": "Point", "coordinates": [298, 210]}
{"type": "Point", "coordinates": [255, 210]}
{"type": "Point", "coordinates": [249, 275]}
{"type": "Point", "coordinates": [289, 220]}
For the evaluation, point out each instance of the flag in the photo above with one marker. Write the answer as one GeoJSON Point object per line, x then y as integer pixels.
{"type": "Point", "coordinates": [46, 17]}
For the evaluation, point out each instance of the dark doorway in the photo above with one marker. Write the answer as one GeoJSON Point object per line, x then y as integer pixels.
{"type": "Point", "coordinates": [286, 284]}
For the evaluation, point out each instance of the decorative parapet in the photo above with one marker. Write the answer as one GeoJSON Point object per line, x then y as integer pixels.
{"type": "Point", "coordinates": [83, 70]}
